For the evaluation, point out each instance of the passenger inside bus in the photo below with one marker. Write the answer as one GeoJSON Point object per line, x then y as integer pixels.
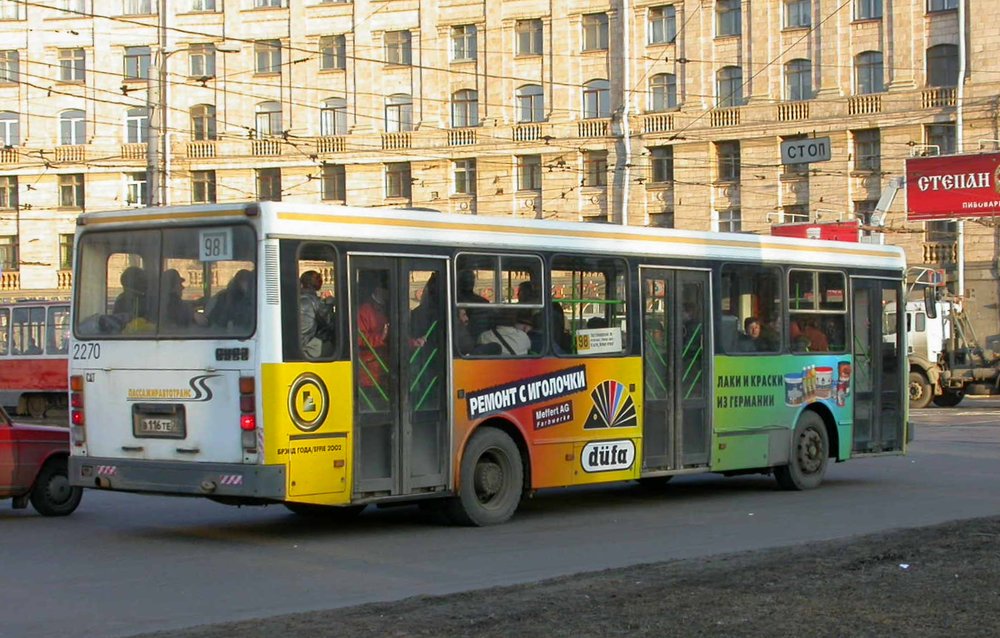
{"type": "Point", "coordinates": [528, 292]}
{"type": "Point", "coordinates": [316, 323]}
{"type": "Point", "coordinates": [133, 302]}
{"type": "Point", "coordinates": [806, 337]}
{"type": "Point", "coordinates": [373, 340]}
{"type": "Point", "coordinates": [176, 312]}
{"type": "Point", "coordinates": [750, 339]}
{"type": "Point", "coordinates": [479, 318]}
{"type": "Point", "coordinates": [511, 334]}
{"type": "Point", "coordinates": [234, 308]}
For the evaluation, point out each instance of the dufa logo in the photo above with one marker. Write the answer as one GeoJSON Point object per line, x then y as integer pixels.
{"type": "Point", "coordinates": [613, 407]}
{"type": "Point", "coordinates": [607, 456]}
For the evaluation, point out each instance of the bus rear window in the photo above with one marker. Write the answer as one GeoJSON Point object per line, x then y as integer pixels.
{"type": "Point", "coordinates": [167, 284]}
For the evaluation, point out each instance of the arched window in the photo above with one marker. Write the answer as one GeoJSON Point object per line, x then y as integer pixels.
{"type": "Point", "coordinates": [465, 108]}
{"type": "Point", "coordinates": [203, 122]}
{"type": "Point", "coordinates": [868, 73]}
{"type": "Point", "coordinates": [398, 113]}
{"type": "Point", "coordinates": [333, 117]}
{"type": "Point", "coordinates": [662, 92]}
{"type": "Point", "coordinates": [942, 65]}
{"type": "Point", "coordinates": [268, 120]}
{"type": "Point", "coordinates": [530, 103]}
{"type": "Point", "coordinates": [597, 99]}
{"type": "Point", "coordinates": [72, 127]}
{"type": "Point", "coordinates": [10, 128]}
{"type": "Point", "coordinates": [729, 86]}
{"type": "Point", "coordinates": [137, 125]}
{"type": "Point", "coordinates": [798, 80]}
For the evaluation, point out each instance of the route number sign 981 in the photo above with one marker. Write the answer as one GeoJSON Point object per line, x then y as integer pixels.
{"type": "Point", "coordinates": [216, 244]}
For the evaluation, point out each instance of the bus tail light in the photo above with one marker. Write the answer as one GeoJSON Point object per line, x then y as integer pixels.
{"type": "Point", "coordinates": [77, 420]}
{"type": "Point", "coordinates": [248, 414]}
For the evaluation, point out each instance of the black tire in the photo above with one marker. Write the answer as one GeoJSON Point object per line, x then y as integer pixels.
{"type": "Point", "coordinates": [492, 478]}
{"type": "Point", "coordinates": [332, 513]}
{"type": "Point", "coordinates": [809, 455]}
{"type": "Point", "coordinates": [52, 495]}
{"type": "Point", "coordinates": [921, 392]}
{"type": "Point", "coordinates": [949, 398]}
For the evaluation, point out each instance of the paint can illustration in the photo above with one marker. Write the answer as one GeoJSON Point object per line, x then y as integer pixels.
{"type": "Point", "coordinates": [794, 394]}
{"type": "Point", "coordinates": [824, 382]}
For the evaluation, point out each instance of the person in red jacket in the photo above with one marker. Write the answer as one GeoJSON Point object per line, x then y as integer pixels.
{"type": "Point", "coordinates": [373, 342]}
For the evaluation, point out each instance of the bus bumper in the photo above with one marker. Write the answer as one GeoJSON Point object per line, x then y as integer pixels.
{"type": "Point", "coordinates": [227, 480]}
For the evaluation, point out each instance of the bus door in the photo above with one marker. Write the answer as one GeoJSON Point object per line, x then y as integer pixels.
{"type": "Point", "coordinates": [878, 379]}
{"type": "Point", "coordinates": [676, 358]}
{"type": "Point", "coordinates": [400, 351]}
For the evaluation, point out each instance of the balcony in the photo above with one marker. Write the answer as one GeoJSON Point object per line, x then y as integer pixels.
{"type": "Point", "coordinates": [940, 252]}
{"type": "Point", "coordinates": [725, 117]}
{"type": "Point", "coordinates": [935, 98]}
{"type": "Point", "coordinates": [331, 144]}
{"type": "Point", "coordinates": [133, 151]}
{"type": "Point", "coordinates": [200, 150]}
{"type": "Point", "coordinates": [658, 123]}
{"type": "Point", "coordinates": [526, 132]}
{"type": "Point", "coordinates": [265, 148]}
{"type": "Point", "coordinates": [593, 128]}
{"type": "Point", "coordinates": [71, 154]}
{"type": "Point", "coordinates": [396, 141]}
{"type": "Point", "coordinates": [64, 279]}
{"type": "Point", "coordinates": [864, 104]}
{"type": "Point", "coordinates": [793, 111]}
{"type": "Point", "coordinates": [462, 137]}
{"type": "Point", "coordinates": [8, 155]}
{"type": "Point", "coordinates": [10, 280]}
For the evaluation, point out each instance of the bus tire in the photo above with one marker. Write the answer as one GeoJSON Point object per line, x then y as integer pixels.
{"type": "Point", "coordinates": [52, 495]}
{"type": "Point", "coordinates": [921, 392]}
{"type": "Point", "coordinates": [809, 455]}
{"type": "Point", "coordinates": [325, 512]}
{"type": "Point", "coordinates": [492, 479]}
{"type": "Point", "coordinates": [949, 398]}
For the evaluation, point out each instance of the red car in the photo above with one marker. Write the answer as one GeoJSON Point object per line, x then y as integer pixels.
{"type": "Point", "coordinates": [33, 467]}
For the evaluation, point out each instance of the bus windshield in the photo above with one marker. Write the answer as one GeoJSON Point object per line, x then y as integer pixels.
{"type": "Point", "coordinates": [166, 283]}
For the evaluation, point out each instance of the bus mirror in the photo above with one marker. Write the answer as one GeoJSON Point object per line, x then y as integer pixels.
{"type": "Point", "coordinates": [930, 302]}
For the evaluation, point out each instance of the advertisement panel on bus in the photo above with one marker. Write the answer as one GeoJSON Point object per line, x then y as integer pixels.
{"type": "Point", "coordinates": [952, 186]}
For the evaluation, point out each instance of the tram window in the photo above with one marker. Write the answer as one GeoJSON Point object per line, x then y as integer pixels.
{"type": "Point", "coordinates": [588, 311]}
{"type": "Point", "coordinates": [317, 301]}
{"type": "Point", "coordinates": [817, 305]}
{"type": "Point", "coordinates": [751, 309]}
{"type": "Point", "coordinates": [4, 330]}
{"type": "Point", "coordinates": [28, 330]}
{"type": "Point", "coordinates": [57, 333]}
{"type": "Point", "coordinates": [498, 305]}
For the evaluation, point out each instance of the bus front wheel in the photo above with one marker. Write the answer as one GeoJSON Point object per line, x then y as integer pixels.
{"type": "Point", "coordinates": [809, 455]}
{"type": "Point", "coordinates": [492, 478]}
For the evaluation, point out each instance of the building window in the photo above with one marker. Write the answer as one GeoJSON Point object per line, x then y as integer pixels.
{"type": "Point", "coordinates": [72, 127]}
{"type": "Point", "coordinates": [333, 117]}
{"type": "Point", "coordinates": [203, 123]}
{"type": "Point", "coordinates": [728, 160]}
{"type": "Point", "coordinates": [71, 192]}
{"type": "Point", "coordinates": [72, 65]}
{"type": "Point", "coordinates": [397, 47]}
{"type": "Point", "coordinates": [334, 183]}
{"type": "Point", "coordinates": [941, 5]}
{"type": "Point", "coordinates": [867, 9]}
{"type": "Point", "coordinates": [201, 60]}
{"type": "Point", "coordinates": [464, 172]}
{"type": "Point", "coordinates": [267, 56]}
{"type": "Point", "coordinates": [268, 120]}
{"type": "Point", "coordinates": [267, 4]}
{"type": "Point", "coordinates": [398, 113]}
{"type": "Point", "coordinates": [529, 37]}
{"type": "Point", "coordinates": [529, 172]}
{"type": "Point", "coordinates": [203, 5]}
{"type": "Point", "coordinates": [863, 210]}
{"type": "Point", "coordinates": [137, 125]}
{"type": "Point", "coordinates": [942, 65]}
{"type": "Point", "coordinates": [463, 43]}
{"type": "Point", "coordinates": [8, 191]}
{"type": "Point", "coordinates": [596, 99]}
{"type": "Point", "coordinates": [728, 17]}
{"type": "Point", "coordinates": [72, 6]}
{"type": "Point", "coordinates": [530, 103]}
{"type": "Point", "coordinates": [203, 187]}
{"type": "Point", "coordinates": [867, 150]}
{"type": "Point", "coordinates": [798, 80]}
{"type": "Point", "coordinates": [11, 10]}
{"type": "Point", "coordinates": [729, 86]}
{"type": "Point", "coordinates": [941, 232]}
{"type": "Point", "coordinates": [9, 63]}
{"type": "Point", "coordinates": [333, 52]}
{"type": "Point", "coordinates": [10, 129]}
{"type": "Point", "coordinates": [943, 136]}
{"type": "Point", "coordinates": [662, 164]}
{"type": "Point", "coordinates": [662, 92]}
{"type": "Point", "coordinates": [595, 168]}
{"type": "Point", "coordinates": [9, 260]}
{"type": "Point", "coordinates": [269, 184]}
{"type": "Point", "coordinates": [397, 180]}
{"type": "Point", "coordinates": [595, 32]}
{"type": "Point", "coordinates": [136, 189]}
{"type": "Point", "coordinates": [662, 24]}
{"type": "Point", "coordinates": [730, 221]}
{"type": "Point", "coordinates": [138, 7]}
{"type": "Point", "coordinates": [465, 108]}
{"type": "Point", "coordinates": [65, 251]}
{"type": "Point", "coordinates": [136, 63]}
{"type": "Point", "coordinates": [869, 73]}
{"type": "Point", "coordinates": [798, 13]}
{"type": "Point", "coordinates": [797, 214]}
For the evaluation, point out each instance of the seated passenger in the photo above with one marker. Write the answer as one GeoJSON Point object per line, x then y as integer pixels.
{"type": "Point", "coordinates": [133, 303]}
{"type": "Point", "coordinates": [513, 339]}
{"type": "Point", "coordinates": [806, 337]}
{"type": "Point", "coordinates": [235, 306]}
{"type": "Point", "coordinates": [176, 312]}
{"type": "Point", "coordinates": [750, 340]}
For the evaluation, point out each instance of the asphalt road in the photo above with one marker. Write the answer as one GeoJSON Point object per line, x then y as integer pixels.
{"type": "Point", "coordinates": [126, 564]}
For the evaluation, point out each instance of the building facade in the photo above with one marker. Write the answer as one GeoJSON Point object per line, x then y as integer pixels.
{"type": "Point", "coordinates": [673, 112]}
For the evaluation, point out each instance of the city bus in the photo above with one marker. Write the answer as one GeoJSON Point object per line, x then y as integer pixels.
{"type": "Point", "coordinates": [34, 343]}
{"type": "Point", "coordinates": [330, 358]}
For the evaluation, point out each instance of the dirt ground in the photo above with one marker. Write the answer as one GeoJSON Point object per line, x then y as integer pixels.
{"type": "Point", "coordinates": [933, 581]}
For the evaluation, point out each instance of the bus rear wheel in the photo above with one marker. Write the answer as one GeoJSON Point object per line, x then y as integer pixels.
{"type": "Point", "coordinates": [492, 478]}
{"type": "Point", "coordinates": [921, 391]}
{"type": "Point", "coordinates": [809, 455]}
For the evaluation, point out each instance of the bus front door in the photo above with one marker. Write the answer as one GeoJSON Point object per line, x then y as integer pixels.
{"type": "Point", "coordinates": [878, 369]}
{"type": "Point", "coordinates": [399, 331]}
{"type": "Point", "coordinates": [676, 358]}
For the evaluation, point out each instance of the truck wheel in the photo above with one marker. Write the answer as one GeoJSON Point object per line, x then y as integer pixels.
{"type": "Point", "coordinates": [492, 479]}
{"type": "Point", "coordinates": [809, 455]}
{"type": "Point", "coordinates": [52, 495]}
{"type": "Point", "coordinates": [949, 398]}
{"type": "Point", "coordinates": [921, 392]}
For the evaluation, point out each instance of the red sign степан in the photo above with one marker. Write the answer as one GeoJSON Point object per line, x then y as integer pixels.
{"type": "Point", "coordinates": [952, 186]}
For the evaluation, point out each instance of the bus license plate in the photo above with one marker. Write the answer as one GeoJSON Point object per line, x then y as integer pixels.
{"type": "Point", "coordinates": [161, 424]}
